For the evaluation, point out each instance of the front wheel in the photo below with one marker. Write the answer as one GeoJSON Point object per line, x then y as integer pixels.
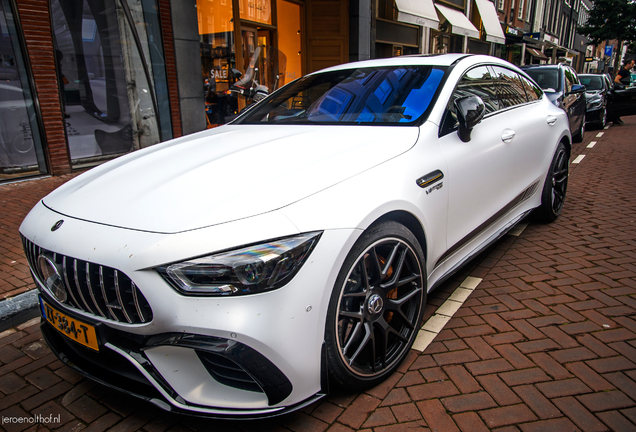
{"type": "Point", "coordinates": [376, 306]}
{"type": "Point", "coordinates": [555, 187]}
{"type": "Point", "coordinates": [580, 134]}
{"type": "Point", "coordinates": [603, 121]}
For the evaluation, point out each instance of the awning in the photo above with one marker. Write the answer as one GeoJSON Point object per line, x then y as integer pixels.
{"type": "Point", "coordinates": [419, 12]}
{"type": "Point", "coordinates": [459, 23]}
{"type": "Point", "coordinates": [489, 17]}
{"type": "Point", "coordinates": [538, 54]}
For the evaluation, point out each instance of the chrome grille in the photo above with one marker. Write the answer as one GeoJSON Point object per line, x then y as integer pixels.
{"type": "Point", "coordinates": [93, 288]}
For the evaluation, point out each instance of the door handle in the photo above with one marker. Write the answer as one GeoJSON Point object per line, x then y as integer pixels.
{"type": "Point", "coordinates": [551, 120]}
{"type": "Point", "coordinates": [507, 135]}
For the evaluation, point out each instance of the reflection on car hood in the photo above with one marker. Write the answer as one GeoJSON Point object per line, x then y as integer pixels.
{"type": "Point", "coordinates": [225, 174]}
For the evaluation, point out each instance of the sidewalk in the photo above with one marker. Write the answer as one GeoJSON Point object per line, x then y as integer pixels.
{"type": "Point", "coordinates": [545, 342]}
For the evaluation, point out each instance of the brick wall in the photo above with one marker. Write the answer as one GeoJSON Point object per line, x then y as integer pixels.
{"type": "Point", "coordinates": [171, 67]}
{"type": "Point", "coordinates": [36, 25]}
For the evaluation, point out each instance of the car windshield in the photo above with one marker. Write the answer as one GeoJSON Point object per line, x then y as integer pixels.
{"type": "Point", "coordinates": [548, 79]}
{"type": "Point", "coordinates": [373, 95]}
{"type": "Point", "coordinates": [594, 82]}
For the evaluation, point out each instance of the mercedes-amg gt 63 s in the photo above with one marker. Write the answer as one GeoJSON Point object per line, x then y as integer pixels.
{"type": "Point", "coordinates": [240, 271]}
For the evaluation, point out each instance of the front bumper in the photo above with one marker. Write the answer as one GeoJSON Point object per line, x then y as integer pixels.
{"type": "Point", "coordinates": [123, 364]}
{"type": "Point", "coordinates": [174, 359]}
{"type": "Point", "coordinates": [594, 115]}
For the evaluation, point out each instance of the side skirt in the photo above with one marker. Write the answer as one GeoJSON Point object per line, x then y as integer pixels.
{"type": "Point", "coordinates": [489, 241]}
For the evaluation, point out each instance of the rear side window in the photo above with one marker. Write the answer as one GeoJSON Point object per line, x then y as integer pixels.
{"type": "Point", "coordinates": [510, 89]}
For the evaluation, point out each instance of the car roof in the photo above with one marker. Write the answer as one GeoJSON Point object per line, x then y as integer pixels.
{"type": "Point", "coordinates": [544, 66]}
{"type": "Point", "coordinates": [422, 60]}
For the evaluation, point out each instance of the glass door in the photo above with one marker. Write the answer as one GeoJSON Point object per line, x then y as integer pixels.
{"type": "Point", "coordinates": [109, 66]}
{"type": "Point", "coordinates": [21, 151]}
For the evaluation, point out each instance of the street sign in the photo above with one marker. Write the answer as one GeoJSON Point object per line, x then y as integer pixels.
{"type": "Point", "coordinates": [608, 50]}
{"type": "Point", "coordinates": [589, 59]}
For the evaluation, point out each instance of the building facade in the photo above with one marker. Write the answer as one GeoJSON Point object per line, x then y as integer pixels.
{"type": "Point", "coordinates": [84, 81]}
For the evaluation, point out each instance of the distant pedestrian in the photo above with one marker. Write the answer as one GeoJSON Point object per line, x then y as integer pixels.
{"type": "Point", "coordinates": [624, 74]}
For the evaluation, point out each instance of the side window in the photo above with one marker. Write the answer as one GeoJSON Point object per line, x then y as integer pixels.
{"type": "Point", "coordinates": [476, 82]}
{"type": "Point", "coordinates": [533, 91]}
{"type": "Point", "coordinates": [509, 87]}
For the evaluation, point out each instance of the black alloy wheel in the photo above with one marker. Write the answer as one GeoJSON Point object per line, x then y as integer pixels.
{"type": "Point", "coordinates": [555, 187]}
{"type": "Point", "coordinates": [580, 134]}
{"type": "Point", "coordinates": [603, 121]}
{"type": "Point", "coordinates": [376, 308]}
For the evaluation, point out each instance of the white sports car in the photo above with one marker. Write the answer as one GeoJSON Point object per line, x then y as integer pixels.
{"type": "Point", "coordinates": [238, 271]}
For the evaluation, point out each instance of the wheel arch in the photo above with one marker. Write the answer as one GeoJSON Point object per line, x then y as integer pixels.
{"type": "Point", "coordinates": [408, 220]}
{"type": "Point", "coordinates": [568, 145]}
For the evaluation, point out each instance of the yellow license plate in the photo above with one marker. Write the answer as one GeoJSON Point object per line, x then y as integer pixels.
{"type": "Point", "coordinates": [82, 333]}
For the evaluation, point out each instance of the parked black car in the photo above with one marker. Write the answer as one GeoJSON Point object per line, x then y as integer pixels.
{"type": "Point", "coordinates": [563, 88]}
{"type": "Point", "coordinates": [597, 92]}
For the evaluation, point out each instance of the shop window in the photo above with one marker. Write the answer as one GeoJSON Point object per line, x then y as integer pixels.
{"type": "Point", "coordinates": [218, 59]}
{"type": "Point", "coordinates": [20, 143]}
{"type": "Point", "coordinates": [443, 42]}
{"type": "Point", "coordinates": [112, 76]}
{"type": "Point", "coordinates": [259, 11]}
{"type": "Point", "coordinates": [239, 72]}
{"type": "Point", "coordinates": [386, 50]}
{"type": "Point", "coordinates": [386, 9]}
{"type": "Point", "coordinates": [289, 41]}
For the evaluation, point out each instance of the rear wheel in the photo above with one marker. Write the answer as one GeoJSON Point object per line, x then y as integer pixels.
{"type": "Point", "coordinates": [555, 187]}
{"type": "Point", "coordinates": [376, 306]}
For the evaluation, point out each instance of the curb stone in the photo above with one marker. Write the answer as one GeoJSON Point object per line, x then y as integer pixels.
{"type": "Point", "coordinates": [18, 309]}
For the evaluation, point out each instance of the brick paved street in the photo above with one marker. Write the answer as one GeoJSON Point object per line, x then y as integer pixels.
{"type": "Point", "coordinates": [16, 199]}
{"type": "Point", "coordinates": [546, 342]}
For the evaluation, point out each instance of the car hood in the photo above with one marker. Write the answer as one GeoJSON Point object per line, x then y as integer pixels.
{"type": "Point", "coordinates": [225, 174]}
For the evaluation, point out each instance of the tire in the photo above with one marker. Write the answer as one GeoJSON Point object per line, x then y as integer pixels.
{"type": "Point", "coordinates": [376, 306]}
{"type": "Point", "coordinates": [580, 134]}
{"type": "Point", "coordinates": [603, 122]}
{"type": "Point", "coordinates": [555, 187]}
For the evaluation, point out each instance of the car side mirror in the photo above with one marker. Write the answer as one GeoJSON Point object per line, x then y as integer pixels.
{"type": "Point", "coordinates": [577, 88]}
{"type": "Point", "coordinates": [470, 110]}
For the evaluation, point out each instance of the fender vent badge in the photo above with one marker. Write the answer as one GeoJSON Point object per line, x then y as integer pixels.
{"type": "Point", "coordinates": [429, 179]}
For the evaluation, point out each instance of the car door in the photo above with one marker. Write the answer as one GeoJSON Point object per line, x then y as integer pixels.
{"type": "Point", "coordinates": [622, 102]}
{"type": "Point", "coordinates": [479, 171]}
{"type": "Point", "coordinates": [526, 117]}
{"type": "Point", "coordinates": [573, 103]}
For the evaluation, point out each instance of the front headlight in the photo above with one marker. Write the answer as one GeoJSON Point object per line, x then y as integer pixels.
{"type": "Point", "coordinates": [595, 102]}
{"type": "Point", "coordinates": [247, 270]}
